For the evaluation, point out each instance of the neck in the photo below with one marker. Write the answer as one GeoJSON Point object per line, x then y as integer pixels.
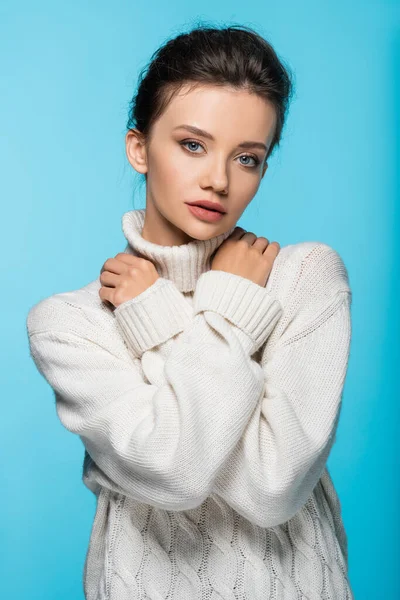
{"type": "Point", "coordinates": [157, 229]}
{"type": "Point", "coordinates": [183, 263]}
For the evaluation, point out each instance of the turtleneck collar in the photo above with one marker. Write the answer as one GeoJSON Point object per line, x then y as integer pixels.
{"type": "Point", "coordinates": [182, 264]}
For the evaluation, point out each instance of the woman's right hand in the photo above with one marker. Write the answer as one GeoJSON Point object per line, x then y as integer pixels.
{"type": "Point", "coordinates": [245, 254]}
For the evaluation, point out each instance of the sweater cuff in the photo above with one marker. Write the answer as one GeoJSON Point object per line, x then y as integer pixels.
{"type": "Point", "coordinates": [154, 316]}
{"type": "Point", "coordinates": [243, 302]}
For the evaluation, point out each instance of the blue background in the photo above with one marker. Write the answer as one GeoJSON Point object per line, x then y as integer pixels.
{"type": "Point", "coordinates": [68, 73]}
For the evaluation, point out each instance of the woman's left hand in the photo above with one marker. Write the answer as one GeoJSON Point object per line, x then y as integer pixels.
{"type": "Point", "coordinates": [125, 277]}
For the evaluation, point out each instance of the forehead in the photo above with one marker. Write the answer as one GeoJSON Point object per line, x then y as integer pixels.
{"type": "Point", "coordinates": [221, 110]}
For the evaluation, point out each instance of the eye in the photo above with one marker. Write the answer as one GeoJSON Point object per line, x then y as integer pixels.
{"type": "Point", "coordinates": [184, 143]}
{"type": "Point", "coordinates": [255, 158]}
{"type": "Point", "coordinates": [195, 143]}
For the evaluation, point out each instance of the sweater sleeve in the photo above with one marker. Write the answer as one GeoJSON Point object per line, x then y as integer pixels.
{"type": "Point", "coordinates": [161, 311]}
{"type": "Point", "coordinates": [153, 317]}
{"type": "Point", "coordinates": [163, 443]}
{"type": "Point", "coordinates": [282, 453]}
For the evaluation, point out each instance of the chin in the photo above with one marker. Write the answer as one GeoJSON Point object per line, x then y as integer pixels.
{"type": "Point", "coordinates": [203, 231]}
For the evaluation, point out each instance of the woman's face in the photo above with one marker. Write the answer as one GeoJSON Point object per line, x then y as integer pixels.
{"type": "Point", "coordinates": [184, 166]}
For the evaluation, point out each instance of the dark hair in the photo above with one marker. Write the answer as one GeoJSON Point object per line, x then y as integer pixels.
{"type": "Point", "coordinates": [236, 56]}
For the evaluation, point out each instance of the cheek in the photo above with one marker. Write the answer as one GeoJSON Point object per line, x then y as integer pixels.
{"type": "Point", "coordinates": [245, 185]}
{"type": "Point", "coordinates": [165, 169]}
{"type": "Point", "coordinates": [171, 178]}
{"type": "Point", "coordinates": [178, 170]}
{"type": "Point", "coordinates": [243, 190]}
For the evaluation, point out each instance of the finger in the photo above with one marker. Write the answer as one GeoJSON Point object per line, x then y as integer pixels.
{"type": "Point", "coordinates": [273, 249]}
{"type": "Point", "coordinates": [113, 265]}
{"type": "Point", "coordinates": [261, 243]}
{"type": "Point", "coordinates": [105, 294]}
{"type": "Point", "coordinates": [249, 237]}
{"type": "Point", "coordinates": [134, 261]}
{"type": "Point", "coordinates": [237, 233]}
{"type": "Point", "coordinates": [109, 279]}
{"type": "Point", "coordinates": [130, 259]}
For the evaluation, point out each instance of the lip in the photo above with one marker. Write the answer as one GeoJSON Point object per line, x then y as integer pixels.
{"type": "Point", "coordinates": [208, 204]}
{"type": "Point", "coordinates": [211, 216]}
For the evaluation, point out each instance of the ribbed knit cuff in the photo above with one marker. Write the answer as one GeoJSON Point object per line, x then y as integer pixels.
{"type": "Point", "coordinates": [242, 301]}
{"type": "Point", "coordinates": [154, 316]}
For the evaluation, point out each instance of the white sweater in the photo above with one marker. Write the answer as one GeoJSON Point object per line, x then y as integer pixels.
{"type": "Point", "coordinates": [208, 406]}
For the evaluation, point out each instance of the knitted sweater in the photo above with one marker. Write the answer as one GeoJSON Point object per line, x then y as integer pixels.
{"type": "Point", "coordinates": [207, 406]}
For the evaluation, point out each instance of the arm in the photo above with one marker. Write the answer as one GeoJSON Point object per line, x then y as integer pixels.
{"type": "Point", "coordinates": [161, 444]}
{"type": "Point", "coordinates": [283, 451]}
{"type": "Point", "coordinates": [153, 318]}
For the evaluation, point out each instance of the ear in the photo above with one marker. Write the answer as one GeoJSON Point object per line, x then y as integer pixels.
{"type": "Point", "coordinates": [136, 150]}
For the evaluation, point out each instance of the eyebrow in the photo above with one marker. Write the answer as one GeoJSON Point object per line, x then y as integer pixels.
{"type": "Point", "coordinates": [206, 134]}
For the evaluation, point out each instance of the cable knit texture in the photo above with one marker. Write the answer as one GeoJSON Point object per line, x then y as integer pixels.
{"type": "Point", "coordinates": [207, 407]}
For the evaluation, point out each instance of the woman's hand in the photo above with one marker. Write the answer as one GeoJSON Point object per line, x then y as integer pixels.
{"type": "Point", "coordinates": [246, 255]}
{"type": "Point", "coordinates": [125, 277]}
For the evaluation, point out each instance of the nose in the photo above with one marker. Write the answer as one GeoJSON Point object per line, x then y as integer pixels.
{"type": "Point", "coordinates": [216, 177]}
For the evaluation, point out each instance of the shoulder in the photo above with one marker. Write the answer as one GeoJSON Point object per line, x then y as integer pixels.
{"type": "Point", "coordinates": [308, 271]}
{"type": "Point", "coordinates": [80, 312]}
{"type": "Point", "coordinates": [311, 281]}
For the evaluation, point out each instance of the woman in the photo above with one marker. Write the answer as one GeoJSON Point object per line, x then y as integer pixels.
{"type": "Point", "coordinates": [204, 369]}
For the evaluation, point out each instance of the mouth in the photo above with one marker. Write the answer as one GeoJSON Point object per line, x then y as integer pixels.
{"type": "Point", "coordinates": [205, 214]}
{"type": "Point", "coordinates": [213, 206]}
